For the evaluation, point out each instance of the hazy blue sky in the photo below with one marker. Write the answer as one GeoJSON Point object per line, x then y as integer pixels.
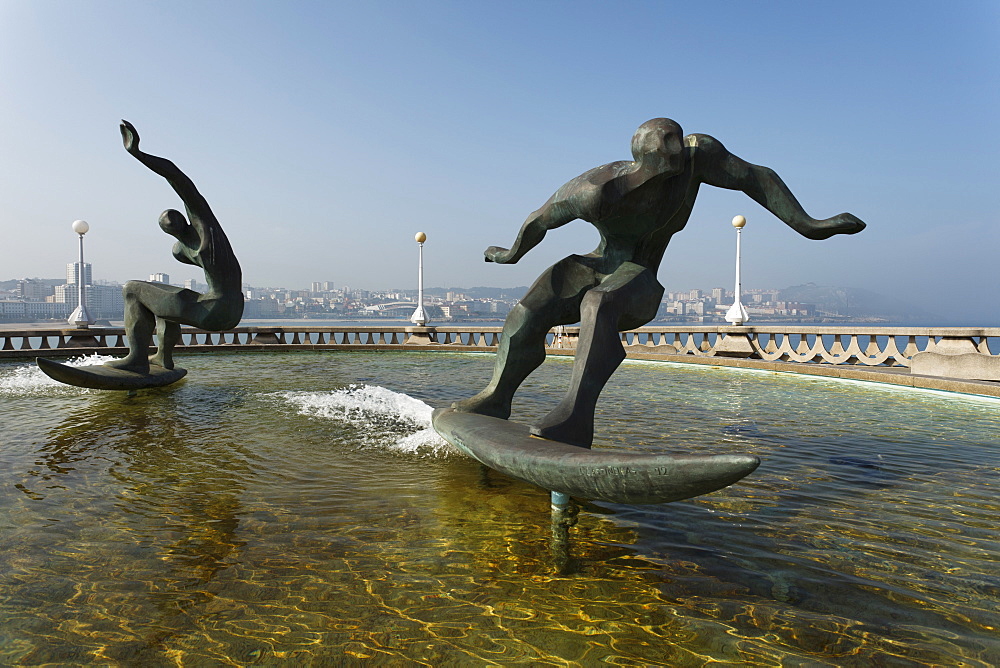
{"type": "Point", "coordinates": [325, 134]}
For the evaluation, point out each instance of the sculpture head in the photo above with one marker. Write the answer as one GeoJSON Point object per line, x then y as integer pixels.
{"type": "Point", "coordinates": [659, 143]}
{"type": "Point", "coordinates": [174, 223]}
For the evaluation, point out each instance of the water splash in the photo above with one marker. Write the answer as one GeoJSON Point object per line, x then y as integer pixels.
{"type": "Point", "coordinates": [27, 379]}
{"type": "Point", "coordinates": [383, 418]}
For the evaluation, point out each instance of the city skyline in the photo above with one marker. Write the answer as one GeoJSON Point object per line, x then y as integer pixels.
{"type": "Point", "coordinates": [808, 302]}
{"type": "Point", "coordinates": [325, 135]}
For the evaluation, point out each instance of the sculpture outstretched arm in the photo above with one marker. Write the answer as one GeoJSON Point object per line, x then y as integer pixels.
{"type": "Point", "coordinates": [549, 217]}
{"type": "Point", "coordinates": [716, 166]}
{"type": "Point", "coordinates": [196, 205]}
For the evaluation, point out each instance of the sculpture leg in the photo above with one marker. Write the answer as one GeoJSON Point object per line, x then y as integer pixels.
{"type": "Point", "coordinates": [554, 299]}
{"type": "Point", "coordinates": [521, 351]}
{"type": "Point", "coordinates": [168, 334]}
{"type": "Point", "coordinates": [139, 324]}
{"type": "Point", "coordinates": [627, 299]}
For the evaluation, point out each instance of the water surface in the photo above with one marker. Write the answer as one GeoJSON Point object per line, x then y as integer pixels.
{"type": "Point", "coordinates": [275, 507]}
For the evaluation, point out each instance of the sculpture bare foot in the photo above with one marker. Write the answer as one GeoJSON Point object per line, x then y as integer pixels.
{"type": "Point", "coordinates": [565, 431]}
{"type": "Point", "coordinates": [844, 223]}
{"type": "Point", "coordinates": [164, 361]}
{"type": "Point", "coordinates": [484, 403]}
{"type": "Point", "coordinates": [140, 365]}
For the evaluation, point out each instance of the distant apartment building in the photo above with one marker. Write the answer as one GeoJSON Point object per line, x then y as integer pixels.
{"type": "Point", "coordinates": [103, 301]}
{"type": "Point", "coordinates": [23, 310]}
{"type": "Point", "coordinates": [500, 307]}
{"type": "Point", "coordinates": [34, 289]}
{"type": "Point", "coordinates": [73, 273]}
{"type": "Point", "coordinates": [795, 308]}
{"type": "Point", "coordinates": [263, 308]}
{"type": "Point", "coordinates": [321, 286]}
{"type": "Point", "coordinates": [11, 310]}
{"type": "Point", "coordinates": [159, 278]}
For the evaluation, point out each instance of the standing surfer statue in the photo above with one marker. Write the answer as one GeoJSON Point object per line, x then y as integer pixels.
{"type": "Point", "coordinates": [637, 206]}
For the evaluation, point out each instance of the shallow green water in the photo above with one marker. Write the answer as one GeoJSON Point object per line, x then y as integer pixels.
{"type": "Point", "coordinates": [261, 511]}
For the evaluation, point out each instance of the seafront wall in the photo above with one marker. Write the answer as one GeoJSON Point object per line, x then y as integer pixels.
{"type": "Point", "coordinates": [881, 354]}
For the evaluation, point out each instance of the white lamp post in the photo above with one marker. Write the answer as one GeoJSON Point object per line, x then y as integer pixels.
{"type": "Point", "coordinates": [737, 314]}
{"type": "Point", "coordinates": [80, 317]}
{"type": "Point", "coordinates": [419, 318]}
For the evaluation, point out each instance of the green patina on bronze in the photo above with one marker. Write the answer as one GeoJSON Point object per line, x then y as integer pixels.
{"type": "Point", "coordinates": [102, 377]}
{"type": "Point", "coordinates": [164, 308]}
{"type": "Point", "coordinates": [604, 475]}
{"type": "Point", "coordinates": [637, 206]}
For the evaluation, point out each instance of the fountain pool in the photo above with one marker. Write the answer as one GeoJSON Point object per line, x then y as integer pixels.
{"type": "Point", "coordinates": [298, 507]}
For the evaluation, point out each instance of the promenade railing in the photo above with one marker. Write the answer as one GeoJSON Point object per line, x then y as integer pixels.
{"type": "Point", "coordinates": [801, 344]}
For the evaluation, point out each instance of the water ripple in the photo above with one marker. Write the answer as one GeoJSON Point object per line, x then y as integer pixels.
{"type": "Point", "coordinates": [279, 509]}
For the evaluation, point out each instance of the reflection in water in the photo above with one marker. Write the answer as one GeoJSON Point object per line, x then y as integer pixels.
{"type": "Point", "coordinates": [563, 518]}
{"type": "Point", "coordinates": [270, 508]}
{"type": "Point", "coordinates": [172, 504]}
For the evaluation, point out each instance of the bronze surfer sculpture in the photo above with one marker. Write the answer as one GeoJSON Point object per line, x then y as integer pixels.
{"type": "Point", "coordinates": [164, 308]}
{"type": "Point", "coordinates": [637, 206]}
{"type": "Point", "coordinates": [200, 242]}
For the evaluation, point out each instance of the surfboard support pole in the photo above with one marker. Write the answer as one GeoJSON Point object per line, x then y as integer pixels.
{"type": "Point", "coordinates": [564, 512]}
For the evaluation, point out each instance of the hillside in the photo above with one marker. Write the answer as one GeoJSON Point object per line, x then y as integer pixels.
{"type": "Point", "coordinates": [857, 303]}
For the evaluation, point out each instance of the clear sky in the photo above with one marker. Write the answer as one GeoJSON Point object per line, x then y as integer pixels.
{"type": "Point", "coordinates": [325, 134]}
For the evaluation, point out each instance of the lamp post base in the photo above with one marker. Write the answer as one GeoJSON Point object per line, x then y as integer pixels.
{"type": "Point", "coordinates": [737, 314]}
{"type": "Point", "coordinates": [80, 318]}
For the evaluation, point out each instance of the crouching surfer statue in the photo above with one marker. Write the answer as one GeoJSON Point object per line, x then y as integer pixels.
{"type": "Point", "coordinates": [164, 308]}
{"type": "Point", "coordinates": [200, 242]}
{"type": "Point", "coordinates": [636, 206]}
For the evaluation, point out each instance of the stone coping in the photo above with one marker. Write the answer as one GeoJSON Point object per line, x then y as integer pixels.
{"type": "Point", "coordinates": [889, 375]}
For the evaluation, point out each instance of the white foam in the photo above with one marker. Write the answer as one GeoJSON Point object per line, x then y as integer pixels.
{"type": "Point", "coordinates": [27, 379]}
{"type": "Point", "coordinates": [384, 418]}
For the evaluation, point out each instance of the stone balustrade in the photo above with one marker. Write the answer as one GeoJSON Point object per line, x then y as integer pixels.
{"type": "Point", "coordinates": [801, 344]}
{"type": "Point", "coordinates": [33, 342]}
{"type": "Point", "coordinates": [808, 344]}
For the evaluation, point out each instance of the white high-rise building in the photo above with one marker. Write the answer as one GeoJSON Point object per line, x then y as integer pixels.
{"type": "Point", "coordinates": [73, 273]}
{"type": "Point", "coordinates": [159, 278]}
